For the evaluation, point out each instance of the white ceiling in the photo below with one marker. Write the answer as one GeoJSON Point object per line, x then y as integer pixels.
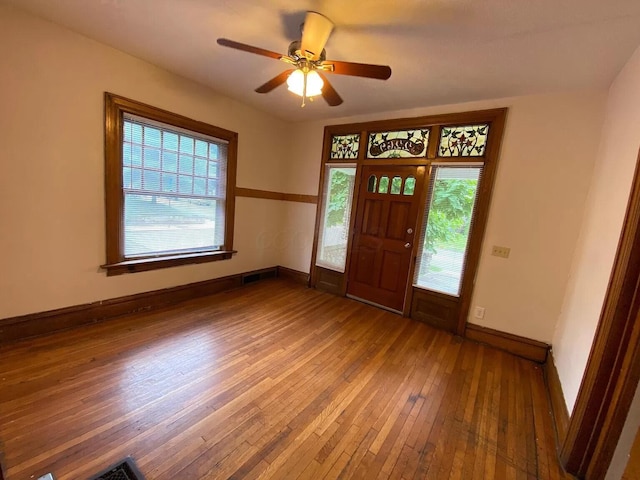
{"type": "Point", "coordinates": [440, 51]}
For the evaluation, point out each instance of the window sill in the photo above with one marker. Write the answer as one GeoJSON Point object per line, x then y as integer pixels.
{"type": "Point", "coordinates": [154, 263]}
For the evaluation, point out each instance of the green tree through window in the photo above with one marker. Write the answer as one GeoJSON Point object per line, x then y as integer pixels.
{"type": "Point", "coordinates": [339, 196]}
{"type": "Point", "coordinates": [450, 212]}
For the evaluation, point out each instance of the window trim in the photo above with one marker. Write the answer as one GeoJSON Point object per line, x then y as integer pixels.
{"type": "Point", "coordinates": [114, 109]}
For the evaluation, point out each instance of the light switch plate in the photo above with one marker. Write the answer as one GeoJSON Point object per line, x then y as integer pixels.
{"type": "Point", "coordinates": [502, 252]}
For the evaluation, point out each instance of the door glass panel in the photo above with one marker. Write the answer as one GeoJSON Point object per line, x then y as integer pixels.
{"type": "Point", "coordinates": [371, 185]}
{"type": "Point", "coordinates": [384, 184]}
{"type": "Point", "coordinates": [334, 229]}
{"type": "Point", "coordinates": [452, 198]}
{"type": "Point", "coordinates": [396, 185]}
{"type": "Point", "coordinates": [409, 186]}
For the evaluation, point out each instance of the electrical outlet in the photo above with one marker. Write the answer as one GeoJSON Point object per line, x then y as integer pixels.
{"type": "Point", "coordinates": [479, 312]}
{"type": "Point", "coordinates": [503, 252]}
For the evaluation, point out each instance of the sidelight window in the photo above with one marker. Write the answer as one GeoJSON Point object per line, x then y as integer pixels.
{"type": "Point", "coordinates": [445, 239]}
{"type": "Point", "coordinates": [334, 228]}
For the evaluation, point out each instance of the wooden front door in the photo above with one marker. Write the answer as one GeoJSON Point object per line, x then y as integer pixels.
{"type": "Point", "coordinates": [385, 233]}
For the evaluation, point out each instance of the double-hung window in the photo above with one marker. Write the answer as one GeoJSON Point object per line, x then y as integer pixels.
{"type": "Point", "coordinates": [169, 188]}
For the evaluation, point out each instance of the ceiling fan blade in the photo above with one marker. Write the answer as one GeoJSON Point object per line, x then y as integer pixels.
{"type": "Point", "coordinates": [380, 72]}
{"type": "Point", "coordinates": [274, 82]}
{"type": "Point", "coordinates": [315, 34]}
{"type": "Point", "coordinates": [225, 42]}
{"type": "Point", "coordinates": [329, 93]}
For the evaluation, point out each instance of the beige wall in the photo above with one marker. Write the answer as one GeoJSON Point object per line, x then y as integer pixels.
{"type": "Point", "coordinates": [51, 152]}
{"type": "Point", "coordinates": [548, 153]}
{"type": "Point", "coordinates": [604, 213]}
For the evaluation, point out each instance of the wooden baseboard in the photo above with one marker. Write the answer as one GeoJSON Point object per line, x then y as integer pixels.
{"type": "Point", "coordinates": [35, 324]}
{"type": "Point", "coordinates": [293, 275]}
{"type": "Point", "coordinates": [556, 397]}
{"type": "Point", "coordinates": [520, 346]}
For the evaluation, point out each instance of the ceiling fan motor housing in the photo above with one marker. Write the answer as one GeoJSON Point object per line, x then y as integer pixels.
{"type": "Point", "coordinates": [295, 52]}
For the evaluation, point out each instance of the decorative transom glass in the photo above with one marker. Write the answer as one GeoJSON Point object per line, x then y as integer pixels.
{"type": "Point", "coordinates": [463, 141]}
{"type": "Point", "coordinates": [398, 144]}
{"type": "Point", "coordinates": [345, 146]}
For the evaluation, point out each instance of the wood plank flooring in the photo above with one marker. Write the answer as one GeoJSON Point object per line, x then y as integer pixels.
{"type": "Point", "coordinates": [274, 381]}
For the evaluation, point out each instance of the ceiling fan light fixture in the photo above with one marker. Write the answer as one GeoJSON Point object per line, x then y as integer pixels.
{"type": "Point", "coordinates": [307, 63]}
{"type": "Point", "coordinates": [297, 80]}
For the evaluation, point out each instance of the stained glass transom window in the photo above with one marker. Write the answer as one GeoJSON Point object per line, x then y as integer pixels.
{"type": "Point", "coordinates": [345, 146]}
{"type": "Point", "coordinates": [464, 141]}
{"type": "Point", "coordinates": [398, 144]}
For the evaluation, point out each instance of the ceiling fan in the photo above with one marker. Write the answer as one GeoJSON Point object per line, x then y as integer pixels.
{"type": "Point", "coordinates": [308, 59]}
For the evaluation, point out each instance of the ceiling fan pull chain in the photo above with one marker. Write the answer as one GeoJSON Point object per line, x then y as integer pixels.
{"type": "Point", "coordinates": [304, 88]}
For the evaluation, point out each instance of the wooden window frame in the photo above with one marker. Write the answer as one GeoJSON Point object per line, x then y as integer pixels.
{"type": "Point", "coordinates": [116, 264]}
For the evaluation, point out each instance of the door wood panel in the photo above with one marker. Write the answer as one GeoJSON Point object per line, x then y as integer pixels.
{"type": "Point", "coordinates": [384, 237]}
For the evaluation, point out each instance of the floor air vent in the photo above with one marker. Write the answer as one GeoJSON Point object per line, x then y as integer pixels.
{"type": "Point", "coordinates": [124, 470]}
{"type": "Point", "coordinates": [259, 275]}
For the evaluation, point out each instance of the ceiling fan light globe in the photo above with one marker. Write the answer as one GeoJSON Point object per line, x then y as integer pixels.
{"type": "Point", "coordinates": [314, 84]}
{"type": "Point", "coordinates": [295, 83]}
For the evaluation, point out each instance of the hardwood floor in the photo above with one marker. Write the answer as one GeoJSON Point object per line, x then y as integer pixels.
{"type": "Point", "coordinates": [272, 380]}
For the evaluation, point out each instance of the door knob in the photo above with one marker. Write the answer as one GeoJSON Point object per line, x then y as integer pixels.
{"type": "Point", "coordinates": [409, 230]}
{"type": "Point", "coordinates": [407, 245]}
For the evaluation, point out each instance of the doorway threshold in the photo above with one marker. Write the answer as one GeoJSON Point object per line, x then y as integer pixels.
{"type": "Point", "coordinates": [374, 304]}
